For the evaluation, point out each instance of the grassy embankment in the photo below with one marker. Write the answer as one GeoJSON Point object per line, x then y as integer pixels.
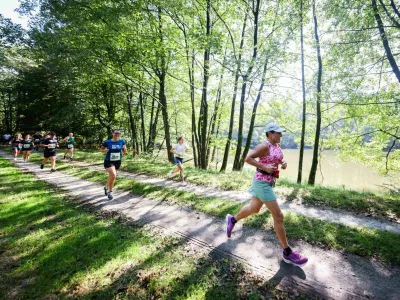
{"type": "Point", "coordinates": [53, 248]}
{"type": "Point", "coordinates": [362, 241]}
{"type": "Point", "coordinates": [386, 205]}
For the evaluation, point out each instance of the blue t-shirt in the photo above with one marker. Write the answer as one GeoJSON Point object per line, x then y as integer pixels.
{"type": "Point", "coordinates": [114, 149]}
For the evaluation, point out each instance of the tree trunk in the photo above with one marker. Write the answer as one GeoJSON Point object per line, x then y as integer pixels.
{"type": "Point", "coordinates": [216, 134]}
{"type": "Point", "coordinates": [141, 105]}
{"type": "Point", "coordinates": [161, 73]}
{"type": "Point", "coordinates": [253, 117]}
{"type": "Point", "coordinates": [313, 171]}
{"type": "Point", "coordinates": [385, 42]}
{"type": "Point", "coordinates": [213, 121]}
{"type": "Point", "coordinates": [132, 124]}
{"type": "Point", "coordinates": [236, 163]}
{"type": "Point", "coordinates": [303, 121]}
{"type": "Point", "coordinates": [195, 140]}
{"type": "Point", "coordinates": [10, 116]}
{"type": "Point", "coordinates": [235, 86]}
{"type": "Point", "coordinates": [153, 125]}
{"type": "Point", "coordinates": [203, 118]}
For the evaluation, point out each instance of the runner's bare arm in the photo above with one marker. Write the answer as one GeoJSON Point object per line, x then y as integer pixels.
{"type": "Point", "coordinates": [103, 149]}
{"type": "Point", "coordinates": [124, 150]}
{"type": "Point", "coordinates": [259, 151]}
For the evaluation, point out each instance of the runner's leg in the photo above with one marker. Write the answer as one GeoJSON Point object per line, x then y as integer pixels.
{"type": "Point", "coordinates": [53, 162]}
{"type": "Point", "coordinates": [112, 175]}
{"type": "Point", "coordinates": [279, 227]}
{"type": "Point", "coordinates": [180, 168]}
{"type": "Point", "coordinates": [253, 208]}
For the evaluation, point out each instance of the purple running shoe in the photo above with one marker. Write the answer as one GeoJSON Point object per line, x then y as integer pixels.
{"type": "Point", "coordinates": [295, 258]}
{"type": "Point", "coordinates": [229, 225]}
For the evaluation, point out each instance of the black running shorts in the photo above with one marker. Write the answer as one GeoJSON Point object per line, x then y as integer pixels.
{"type": "Point", "coordinates": [49, 154]}
{"type": "Point", "coordinates": [109, 164]}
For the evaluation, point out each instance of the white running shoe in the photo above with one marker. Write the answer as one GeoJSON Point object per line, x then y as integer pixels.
{"type": "Point", "coordinates": [170, 174]}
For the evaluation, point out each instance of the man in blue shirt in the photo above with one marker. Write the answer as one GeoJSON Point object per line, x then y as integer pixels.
{"type": "Point", "coordinates": [115, 149]}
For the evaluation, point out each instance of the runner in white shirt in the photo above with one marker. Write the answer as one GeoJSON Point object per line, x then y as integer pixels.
{"type": "Point", "coordinates": [179, 151]}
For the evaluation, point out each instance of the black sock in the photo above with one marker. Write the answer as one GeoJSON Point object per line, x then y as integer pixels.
{"type": "Point", "coordinates": [234, 220]}
{"type": "Point", "coordinates": [287, 251]}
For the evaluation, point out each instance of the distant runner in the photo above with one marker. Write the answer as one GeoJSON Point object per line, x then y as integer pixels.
{"type": "Point", "coordinates": [269, 156]}
{"type": "Point", "coordinates": [50, 145]}
{"type": "Point", "coordinates": [16, 144]}
{"type": "Point", "coordinates": [115, 148]}
{"type": "Point", "coordinates": [69, 144]}
{"type": "Point", "coordinates": [27, 146]}
{"type": "Point", "coordinates": [37, 137]}
{"type": "Point", "coordinates": [179, 150]}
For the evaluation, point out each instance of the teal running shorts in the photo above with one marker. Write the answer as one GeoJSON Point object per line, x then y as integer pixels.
{"type": "Point", "coordinates": [262, 190]}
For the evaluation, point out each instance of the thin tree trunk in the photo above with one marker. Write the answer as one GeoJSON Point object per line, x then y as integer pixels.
{"type": "Point", "coordinates": [385, 42]}
{"type": "Point", "coordinates": [235, 86]}
{"type": "Point", "coordinates": [213, 121]}
{"type": "Point", "coordinates": [161, 73]}
{"type": "Point", "coordinates": [132, 124]}
{"type": "Point", "coordinates": [203, 118]}
{"type": "Point", "coordinates": [195, 140]}
{"type": "Point", "coordinates": [10, 118]}
{"type": "Point", "coordinates": [216, 134]}
{"type": "Point", "coordinates": [313, 171]}
{"type": "Point", "coordinates": [153, 125]}
{"type": "Point", "coordinates": [303, 121]}
{"type": "Point", "coordinates": [236, 163]}
{"type": "Point", "coordinates": [141, 105]}
{"type": "Point", "coordinates": [253, 117]}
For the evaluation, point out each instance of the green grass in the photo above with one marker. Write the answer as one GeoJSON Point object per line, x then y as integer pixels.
{"type": "Point", "coordinates": [379, 204]}
{"type": "Point", "coordinates": [361, 241]}
{"type": "Point", "coordinates": [53, 248]}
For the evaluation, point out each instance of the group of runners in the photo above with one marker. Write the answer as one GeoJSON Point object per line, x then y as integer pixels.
{"type": "Point", "coordinates": [265, 157]}
{"type": "Point", "coordinates": [49, 143]}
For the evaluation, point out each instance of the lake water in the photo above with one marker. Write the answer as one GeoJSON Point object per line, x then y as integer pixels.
{"type": "Point", "coordinates": [335, 172]}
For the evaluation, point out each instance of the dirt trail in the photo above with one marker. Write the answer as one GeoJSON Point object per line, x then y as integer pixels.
{"type": "Point", "coordinates": [328, 274]}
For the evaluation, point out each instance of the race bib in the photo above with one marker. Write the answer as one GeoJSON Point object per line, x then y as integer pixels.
{"type": "Point", "coordinates": [37, 140]}
{"type": "Point", "coordinates": [51, 146]}
{"type": "Point", "coordinates": [115, 156]}
{"type": "Point", "coordinates": [27, 146]}
{"type": "Point", "coordinates": [70, 146]}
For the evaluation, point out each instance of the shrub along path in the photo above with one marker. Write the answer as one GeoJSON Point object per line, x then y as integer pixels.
{"type": "Point", "coordinates": [321, 213]}
{"type": "Point", "coordinates": [329, 273]}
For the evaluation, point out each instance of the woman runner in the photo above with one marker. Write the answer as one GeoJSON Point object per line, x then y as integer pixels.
{"type": "Point", "coordinates": [27, 146]}
{"type": "Point", "coordinates": [69, 144]}
{"type": "Point", "coordinates": [50, 145]}
{"type": "Point", "coordinates": [115, 148]}
{"type": "Point", "coordinates": [16, 143]}
{"type": "Point", "coordinates": [270, 157]}
{"type": "Point", "coordinates": [179, 150]}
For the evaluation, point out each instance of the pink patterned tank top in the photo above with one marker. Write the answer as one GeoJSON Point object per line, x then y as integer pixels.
{"type": "Point", "coordinates": [274, 157]}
